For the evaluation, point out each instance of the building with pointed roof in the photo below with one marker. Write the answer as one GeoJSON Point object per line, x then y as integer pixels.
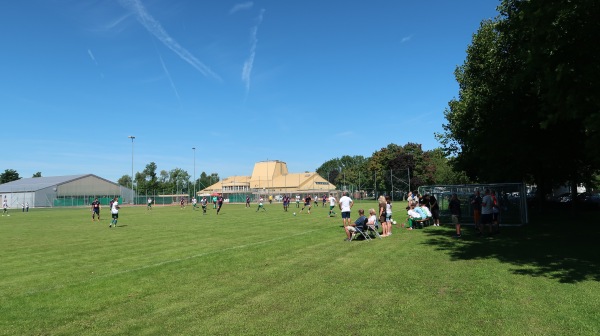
{"type": "Point", "coordinates": [71, 190]}
{"type": "Point", "coordinates": [269, 178]}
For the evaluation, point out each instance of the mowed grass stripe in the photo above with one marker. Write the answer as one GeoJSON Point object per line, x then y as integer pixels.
{"type": "Point", "coordinates": [173, 271]}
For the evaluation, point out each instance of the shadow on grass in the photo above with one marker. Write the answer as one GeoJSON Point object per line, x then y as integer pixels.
{"type": "Point", "coordinates": [553, 245]}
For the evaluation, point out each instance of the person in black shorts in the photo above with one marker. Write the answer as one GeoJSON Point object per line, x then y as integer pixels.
{"type": "Point", "coordinates": [307, 201]}
{"type": "Point", "coordinates": [95, 210]}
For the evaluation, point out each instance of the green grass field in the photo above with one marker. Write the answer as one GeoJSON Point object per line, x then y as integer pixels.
{"type": "Point", "coordinates": [172, 271]}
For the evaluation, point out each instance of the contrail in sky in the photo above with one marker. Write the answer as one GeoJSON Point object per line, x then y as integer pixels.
{"type": "Point", "coordinates": [154, 27]}
{"type": "Point", "coordinates": [169, 77]}
{"type": "Point", "coordinates": [241, 6]}
{"type": "Point", "coordinates": [247, 70]}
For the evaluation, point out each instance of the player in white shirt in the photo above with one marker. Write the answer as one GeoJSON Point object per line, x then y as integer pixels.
{"type": "Point", "coordinates": [114, 210]}
{"type": "Point", "coordinates": [332, 203]}
{"type": "Point", "coordinates": [345, 205]}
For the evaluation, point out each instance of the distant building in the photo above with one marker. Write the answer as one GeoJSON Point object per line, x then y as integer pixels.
{"type": "Point", "coordinates": [72, 190]}
{"type": "Point", "coordinates": [270, 178]}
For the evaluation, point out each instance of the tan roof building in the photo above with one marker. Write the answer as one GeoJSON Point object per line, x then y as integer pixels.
{"type": "Point", "coordinates": [271, 177]}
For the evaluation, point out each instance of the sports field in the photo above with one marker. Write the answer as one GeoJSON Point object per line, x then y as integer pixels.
{"type": "Point", "coordinates": [172, 271]}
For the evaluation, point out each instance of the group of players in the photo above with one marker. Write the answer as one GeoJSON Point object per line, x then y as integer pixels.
{"type": "Point", "coordinates": [217, 204]}
{"type": "Point", "coordinates": [114, 211]}
{"type": "Point", "coordinates": [308, 203]}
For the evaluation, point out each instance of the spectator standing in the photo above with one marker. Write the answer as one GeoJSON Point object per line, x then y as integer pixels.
{"type": "Point", "coordinates": [486, 211]}
{"type": "Point", "coordinates": [454, 206]}
{"type": "Point", "coordinates": [495, 212]}
{"type": "Point", "coordinates": [345, 206]}
{"type": "Point", "coordinates": [435, 210]}
{"type": "Point", "coordinates": [476, 204]}
{"type": "Point", "coordinates": [388, 216]}
{"type": "Point", "coordinates": [381, 213]}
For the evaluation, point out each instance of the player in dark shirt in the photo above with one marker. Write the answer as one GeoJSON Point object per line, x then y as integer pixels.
{"type": "Point", "coordinates": [307, 201]}
{"type": "Point", "coordinates": [95, 210]}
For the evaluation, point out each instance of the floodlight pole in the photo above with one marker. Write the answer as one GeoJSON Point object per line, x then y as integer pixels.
{"type": "Point", "coordinates": [194, 149]}
{"type": "Point", "coordinates": [132, 190]}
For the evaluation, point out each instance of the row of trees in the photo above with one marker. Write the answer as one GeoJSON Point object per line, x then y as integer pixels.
{"type": "Point", "coordinates": [174, 181]}
{"type": "Point", "coordinates": [10, 175]}
{"type": "Point", "coordinates": [528, 107]}
{"type": "Point", "coordinates": [392, 168]}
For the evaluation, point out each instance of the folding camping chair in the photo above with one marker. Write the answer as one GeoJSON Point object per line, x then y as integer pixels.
{"type": "Point", "coordinates": [359, 232]}
{"type": "Point", "coordinates": [373, 228]}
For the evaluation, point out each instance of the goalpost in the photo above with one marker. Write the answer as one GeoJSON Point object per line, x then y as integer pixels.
{"type": "Point", "coordinates": [511, 196]}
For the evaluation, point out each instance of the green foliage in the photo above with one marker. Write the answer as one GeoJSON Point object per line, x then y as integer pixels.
{"type": "Point", "coordinates": [9, 175]}
{"type": "Point", "coordinates": [38, 174]}
{"type": "Point", "coordinates": [344, 171]}
{"type": "Point", "coordinates": [529, 90]}
{"type": "Point", "coordinates": [390, 166]}
{"type": "Point", "coordinates": [125, 181]}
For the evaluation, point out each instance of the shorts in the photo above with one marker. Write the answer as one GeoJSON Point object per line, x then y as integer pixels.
{"type": "Point", "coordinates": [345, 214]}
{"type": "Point", "coordinates": [97, 210]}
{"type": "Point", "coordinates": [150, 204]}
{"type": "Point", "coordinates": [351, 228]}
{"type": "Point", "coordinates": [331, 207]}
{"type": "Point", "coordinates": [435, 213]}
{"type": "Point", "coordinates": [455, 219]}
{"type": "Point", "coordinates": [486, 219]}
{"type": "Point", "coordinates": [495, 216]}
{"type": "Point", "coordinates": [115, 216]}
{"type": "Point", "coordinates": [388, 217]}
{"type": "Point", "coordinates": [476, 216]}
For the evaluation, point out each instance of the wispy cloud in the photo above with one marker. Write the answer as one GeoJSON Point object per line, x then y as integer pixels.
{"type": "Point", "coordinates": [94, 60]}
{"type": "Point", "coordinates": [115, 23]}
{"type": "Point", "coordinates": [241, 6]}
{"type": "Point", "coordinates": [406, 39]}
{"type": "Point", "coordinates": [345, 134]}
{"type": "Point", "coordinates": [154, 27]}
{"type": "Point", "coordinates": [169, 77]}
{"type": "Point", "coordinates": [92, 57]}
{"type": "Point", "coordinates": [247, 69]}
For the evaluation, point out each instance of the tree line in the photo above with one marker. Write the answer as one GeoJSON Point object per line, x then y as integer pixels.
{"type": "Point", "coordinates": [174, 181]}
{"type": "Point", "coordinates": [392, 168]}
{"type": "Point", "coordinates": [528, 106]}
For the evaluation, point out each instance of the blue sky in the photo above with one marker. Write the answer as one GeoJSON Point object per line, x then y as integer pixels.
{"type": "Point", "coordinates": [298, 81]}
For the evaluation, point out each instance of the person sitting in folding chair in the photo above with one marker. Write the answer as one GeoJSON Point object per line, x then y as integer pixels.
{"type": "Point", "coordinates": [358, 228]}
{"type": "Point", "coordinates": [372, 223]}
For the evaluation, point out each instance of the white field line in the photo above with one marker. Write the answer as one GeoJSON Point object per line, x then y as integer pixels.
{"type": "Point", "coordinates": [166, 262]}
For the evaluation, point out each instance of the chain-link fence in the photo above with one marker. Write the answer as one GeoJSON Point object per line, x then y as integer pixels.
{"type": "Point", "coordinates": [511, 197]}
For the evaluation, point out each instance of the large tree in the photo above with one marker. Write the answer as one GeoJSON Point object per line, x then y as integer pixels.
{"type": "Point", "coordinates": [9, 175]}
{"type": "Point", "coordinates": [348, 172]}
{"type": "Point", "coordinates": [528, 105]}
{"type": "Point", "coordinates": [124, 181]}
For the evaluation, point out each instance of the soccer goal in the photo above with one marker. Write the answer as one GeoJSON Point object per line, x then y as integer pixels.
{"type": "Point", "coordinates": [511, 197]}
